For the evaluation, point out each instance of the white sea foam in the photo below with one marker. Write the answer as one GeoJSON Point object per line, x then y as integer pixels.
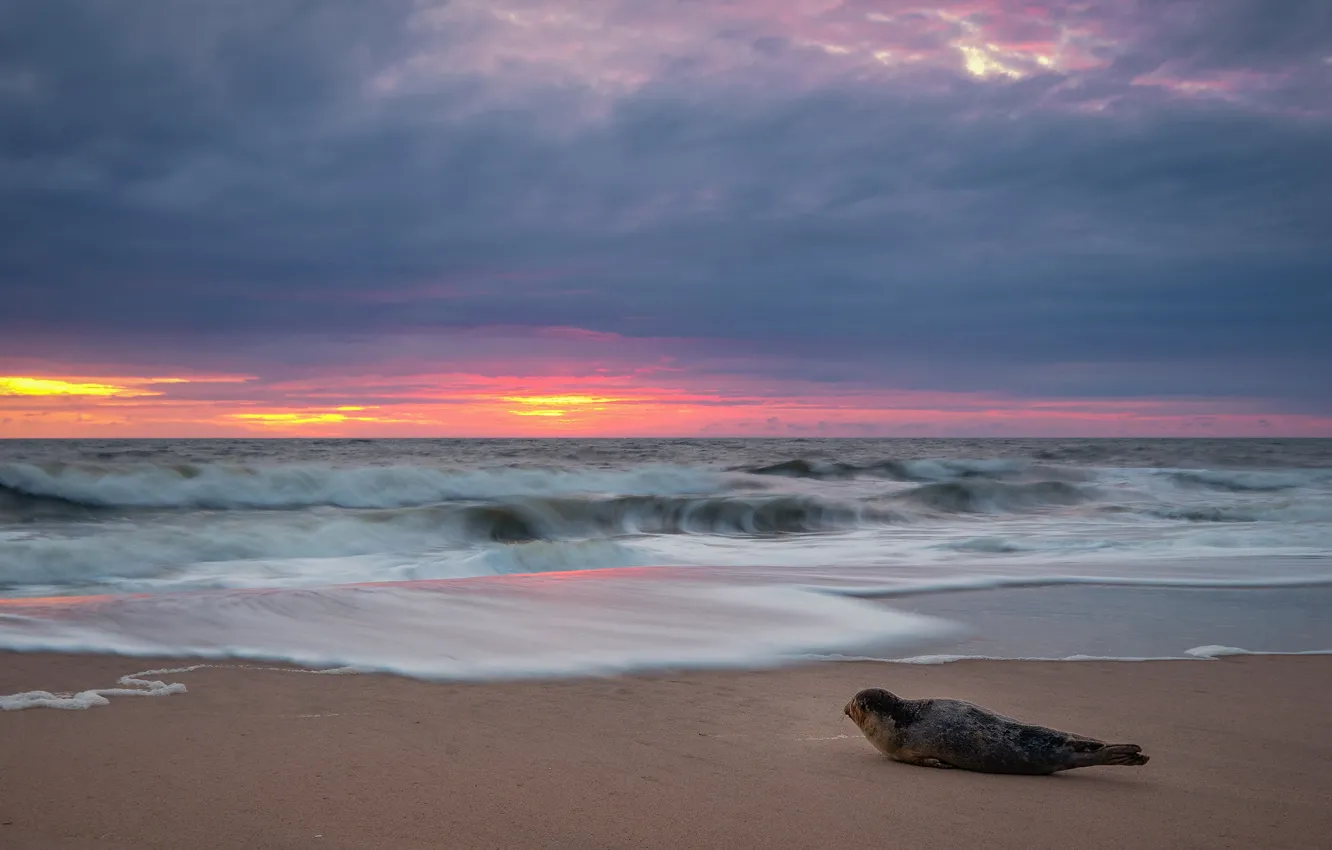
{"type": "Point", "coordinates": [533, 626]}
{"type": "Point", "coordinates": [132, 685]}
{"type": "Point", "coordinates": [1228, 651]}
{"type": "Point", "coordinates": [1000, 582]}
{"type": "Point", "coordinates": [1199, 653]}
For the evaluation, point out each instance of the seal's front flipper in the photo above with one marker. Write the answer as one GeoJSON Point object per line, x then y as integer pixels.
{"type": "Point", "coordinates": [922, 761]}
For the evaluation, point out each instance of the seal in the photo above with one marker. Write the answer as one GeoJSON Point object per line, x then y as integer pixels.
{"type": "Point", "coordinates": [950, 733]}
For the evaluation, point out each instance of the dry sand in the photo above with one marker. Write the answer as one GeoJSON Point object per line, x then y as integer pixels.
{"type": "Point", "coordinates": [1241, 757]}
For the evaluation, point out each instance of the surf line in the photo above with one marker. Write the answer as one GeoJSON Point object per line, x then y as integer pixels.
{"type": "Point", "coordinates": [135, 685]}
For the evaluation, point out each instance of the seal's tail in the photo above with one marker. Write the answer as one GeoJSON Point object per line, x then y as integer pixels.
{"type": "Point", "coordinates": [1128, 755]}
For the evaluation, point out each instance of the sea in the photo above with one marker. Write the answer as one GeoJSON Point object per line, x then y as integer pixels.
{"type": "Point", "coordinates": [498, 559]}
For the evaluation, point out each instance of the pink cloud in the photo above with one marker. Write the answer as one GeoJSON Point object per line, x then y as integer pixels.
{"type": "Point", "coordinates": [1229, 84]}
{"type": "Point", "coordinates": [614, 47]}
{"type": "Point", "coordinates": [622, 45]}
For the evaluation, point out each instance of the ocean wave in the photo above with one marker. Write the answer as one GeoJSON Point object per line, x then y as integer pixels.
{"type": "Point", "coordinates": [818, 470]}
{"type": "Point", "coordinates": [1249, 481]}
{"type": "Point", "coordinates": [1204, 513]}
{"type": "Point", "coordinates": [17, 506]}
{"type": "Point", "coordinates": [120, 552]}
{"type": "Point", "coordinates": [538, 556]}
{"type": "Point", "coordinates": [929, 469]}
{"type": "Point", "coordinates": [748, 516]}
{"type": "Point", "coordinates": [981, 496]}
{"type": "Point", "coordinates": [1285, 511]}
{"type": "Point", "coordinates": [117, 554]}
{"type": "Point", "coordinates": [1009, 546]}
{"type": "Point", "coordinates": [524, 520]}
{"type": "Point", "coordinates": [223, 486]}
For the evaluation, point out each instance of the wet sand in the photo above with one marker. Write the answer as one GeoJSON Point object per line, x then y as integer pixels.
{"type": "Point", "coordinates": [1241, 757]}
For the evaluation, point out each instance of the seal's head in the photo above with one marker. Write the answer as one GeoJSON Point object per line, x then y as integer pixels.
{"type": "Point", "coordinates": [877, 713]}
{"type": "Point", "coordinates": [871, 702]}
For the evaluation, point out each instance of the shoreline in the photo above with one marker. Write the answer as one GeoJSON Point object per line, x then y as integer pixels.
{"type": "Point", "coordinates": [255, 755]}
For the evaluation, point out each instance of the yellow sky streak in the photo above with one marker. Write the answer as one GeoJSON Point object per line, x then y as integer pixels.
{"type": "Point", "coordinates": [313, 417]}
{"type": "Point", "coordinates": [294, 418]}
{"type": "Point", "coordinates": [22, 385]}
{"type": "Point", "coordinates": [560, 400]}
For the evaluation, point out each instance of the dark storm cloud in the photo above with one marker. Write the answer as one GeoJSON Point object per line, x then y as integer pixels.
{"type": "Point", "coordinates": [249, 170]}
{"type": "Point", "coordinates": [1237, 33]}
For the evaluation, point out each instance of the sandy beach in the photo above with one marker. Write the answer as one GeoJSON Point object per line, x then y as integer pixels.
{"type": "Point", "coordinates": [1241, 757]}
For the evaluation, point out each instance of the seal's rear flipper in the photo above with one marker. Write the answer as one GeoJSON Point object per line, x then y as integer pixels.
{"type": "Point", "coordinates": [1085, 745]}
{"type": "Point", "coordinates": [1128, 755]}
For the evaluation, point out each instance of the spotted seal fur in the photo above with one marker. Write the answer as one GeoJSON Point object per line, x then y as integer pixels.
{"type": "Point", "coordinates": [950, 733]}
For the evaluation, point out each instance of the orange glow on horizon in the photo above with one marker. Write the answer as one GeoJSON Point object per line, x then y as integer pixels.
{"type": "Point", "coordinates": [657, 400]}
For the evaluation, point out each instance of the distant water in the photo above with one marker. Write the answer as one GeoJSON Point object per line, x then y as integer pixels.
{"type": "Point", "coordinates": [492, 558]}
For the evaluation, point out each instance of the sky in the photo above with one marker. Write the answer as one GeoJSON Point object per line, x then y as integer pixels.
{"type": "Point", "coordinates": [665, 218]}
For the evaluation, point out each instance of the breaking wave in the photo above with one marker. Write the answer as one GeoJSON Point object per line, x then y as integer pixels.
{"type": "Point", "coordinates": [145, 551]}
{"type": "Point", "coordinates": [980, 496]}
{"type": "Point", "coordinates": [1245, 481]}
{"type": "Point", "coordinates": [222, 487]}
{"type": "Point", "coordinates": [1286, 512]}
{"type": "Point", "coordinates": [199, 520]}
{"type": "Point", "coordinates": [632, 515]}
{"type": "Point", "coordinates": [131, 550]}
{"type": "Point", "coordinates": [893, 470]}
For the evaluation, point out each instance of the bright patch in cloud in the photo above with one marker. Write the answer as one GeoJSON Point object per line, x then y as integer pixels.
{"type": "Point", "coordinates": [981, 62]}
